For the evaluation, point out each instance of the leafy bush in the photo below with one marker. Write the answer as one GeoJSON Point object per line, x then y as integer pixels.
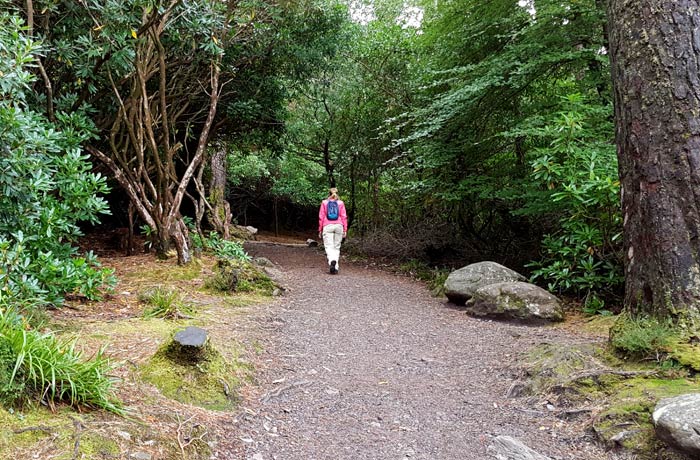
{"type": "Point", "coordinates": [165, 303]}
{"type": "Point", "coordinates": [577, 171]}
{"type": "Point", "coordinates": [49, 368]}
{"type": "Point", "coordinates": [46, 187]}
{"type": "Point", "coordinates": [225, 249]}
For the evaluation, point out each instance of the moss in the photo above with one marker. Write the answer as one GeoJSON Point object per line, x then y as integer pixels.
{"type": "Point", "coordinates": [630, 404]}
{"type": "Point", "coordinates": [211, 383]}
{"type": "Point", "coordinates": [153, 327]}
{"type": "Point", "coordinates": [32, 419]}
{"type": "Point", "coordinates": [165, 271]}
{"type": "Point", "coordinates": [686, 354]}
{"type": "Point", "coordinates": [599, 324]}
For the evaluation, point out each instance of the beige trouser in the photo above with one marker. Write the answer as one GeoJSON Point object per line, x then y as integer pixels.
{"type": "Point", "coordinates": [332, 237]}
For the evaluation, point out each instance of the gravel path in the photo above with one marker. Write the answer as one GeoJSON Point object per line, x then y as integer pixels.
{"type": "Point", "coordinates": [367, 365]}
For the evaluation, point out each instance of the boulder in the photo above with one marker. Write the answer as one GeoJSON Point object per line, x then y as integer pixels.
{"type": "Point", "coordinates": [244, 233]}
{"type": "Point", "coordinates": [507, 448]}
{"type": "Point", "coordinates": [263, 262]}
{"type": "Point", "coordinates": [312, 243]}
{"type": "Point", "coordinates": [461, 284]}
{"type": "Point", "coordinates": [515, 300]}
{"type": "Point", "coordinates": [677, 423]}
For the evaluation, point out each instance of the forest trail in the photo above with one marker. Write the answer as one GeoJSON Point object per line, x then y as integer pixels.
{"type": "Point", "coordinates": [368, 365]}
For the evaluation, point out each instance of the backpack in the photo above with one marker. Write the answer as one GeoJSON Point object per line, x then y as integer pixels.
{"type": "Point", "coordinates": [332, 210]}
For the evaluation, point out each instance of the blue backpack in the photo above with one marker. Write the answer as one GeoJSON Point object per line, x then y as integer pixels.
{"type": "Point", "coordinates": [332, 210]}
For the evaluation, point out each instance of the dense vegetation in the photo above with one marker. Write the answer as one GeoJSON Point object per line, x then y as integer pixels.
{"type": "Point", "coordinates": [457, 131]}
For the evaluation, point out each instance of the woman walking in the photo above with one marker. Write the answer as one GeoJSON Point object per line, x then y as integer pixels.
{"type": "Point", "coordinates": [332, 227]}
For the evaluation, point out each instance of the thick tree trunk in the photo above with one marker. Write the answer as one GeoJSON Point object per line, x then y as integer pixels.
{"type": "Point", "coordinates": [655, 52]}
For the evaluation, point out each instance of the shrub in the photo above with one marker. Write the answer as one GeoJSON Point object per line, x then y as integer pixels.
{"type": "Point", "coordinates": [575, 175]}
{"type": "Point", "coordinates": [50, 368]}
{"type": "Point", "coordinates": [46, 187]}
{"type": "Point", "coordinates": [225, 249]}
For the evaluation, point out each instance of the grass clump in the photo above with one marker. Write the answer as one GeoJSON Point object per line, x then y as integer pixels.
{"type": "Point", "coordinates": [50, 369]}
{"type": "Point", "coordinates": [643, 338]}
{"type": "Point", "coordinates": [165, 303]}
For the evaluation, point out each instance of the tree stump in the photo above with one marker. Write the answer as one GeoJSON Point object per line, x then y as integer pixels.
{"type": "Point", "coordinates": [189, 346]}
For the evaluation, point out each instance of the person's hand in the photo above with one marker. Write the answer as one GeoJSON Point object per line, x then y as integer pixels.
{"type": "Point", "coordinates": [345, 234]}
{"type": "Point", "coordinates": [320, 235]}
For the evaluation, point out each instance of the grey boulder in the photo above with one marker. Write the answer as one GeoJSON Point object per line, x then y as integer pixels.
{"type": "Point", "coordinates": [461, 284]}
{"type": "Point", "coordinates": [515, 300]}
{"type": "Point", "coordinates": [677, 423]}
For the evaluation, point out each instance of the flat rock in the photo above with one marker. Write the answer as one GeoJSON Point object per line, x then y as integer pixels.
{"type": "Point", "coordinates": [191, 336]}
{"type": "Point", "coordinates": [677, 423]}
{"type": "Point", "coordinates": [461, 284]}
{"type": "Point", "coordinates": [507, 448]}
{"type": "Point", "coordinates": [515, 300]}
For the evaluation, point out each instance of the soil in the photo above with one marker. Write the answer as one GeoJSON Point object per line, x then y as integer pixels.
{"type": "Point", "coordinates": [368, 365]}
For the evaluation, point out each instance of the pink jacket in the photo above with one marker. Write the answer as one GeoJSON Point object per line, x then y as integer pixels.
{"type": "Point", "coordinates": [323, 216]}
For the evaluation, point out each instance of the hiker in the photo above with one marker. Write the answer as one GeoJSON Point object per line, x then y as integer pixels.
{"type": "Point", "coordinates": [332, 227]}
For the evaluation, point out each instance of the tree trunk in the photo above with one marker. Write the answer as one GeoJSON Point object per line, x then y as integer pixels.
{"type": "Point", "coordinates": [328, 162]}
{"type": "Point", "coordinates": [221, 210]}
{"type": "Point", "coordinates": [655, 52]}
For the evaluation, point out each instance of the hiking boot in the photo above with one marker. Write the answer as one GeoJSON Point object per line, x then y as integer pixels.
{"type": "Point", "coordinates": [333, 269]}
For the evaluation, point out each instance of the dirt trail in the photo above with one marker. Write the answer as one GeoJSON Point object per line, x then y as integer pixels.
{"type": "Point", "coordinates": [367, 365]}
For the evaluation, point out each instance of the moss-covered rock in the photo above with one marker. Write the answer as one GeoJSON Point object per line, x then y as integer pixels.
{"type": "Point", "coordinates": [208, 382]}
{"type": "Point", "coordinates": [626, 421]}
{"type": "Point", "coordinates": [240, 276]}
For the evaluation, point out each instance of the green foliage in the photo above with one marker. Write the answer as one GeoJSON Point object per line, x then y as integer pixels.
{"type": "Point", "coordinates": [165, 303]}
{"type": "Point", "coordinates": [575, 173]}
{"type": "Point", "coordinates": [225, 249]}
{"type": "Point", "coordinates": [643, 337]}
{"type": "Point", "coordinates": [51, 369]}
{"type": "Point", "coordinates": [46, 187]}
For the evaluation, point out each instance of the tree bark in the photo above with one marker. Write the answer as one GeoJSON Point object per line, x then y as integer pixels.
{"type": "Point", "coordinates": [655, 53]}
{"type": "Point", "coordinates": [221, 210]}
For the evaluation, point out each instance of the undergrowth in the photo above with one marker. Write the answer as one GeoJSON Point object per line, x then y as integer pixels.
{"type": "Point", "coordinates": [434, 277]}
{"type": "Point", "coordinates": [643, 338]}
{"type": "Point", "coordinates": [36, 364]}
{"type": "Point", "coordinates": [165, 303]}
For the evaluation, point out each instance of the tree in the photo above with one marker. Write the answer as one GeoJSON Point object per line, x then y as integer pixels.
{"type": "Point", "coordinates": [655, 52]}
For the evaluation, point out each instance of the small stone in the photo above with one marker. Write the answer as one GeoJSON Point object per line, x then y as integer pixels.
{"type": "Point", "coordinates": [141, 456]}
{"type": "Point", "coordinates": [332, 391]}
{"type": "Point", "coordinates": [124, 435]}
{"type": "Point", "coordinates": [550, 407]}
